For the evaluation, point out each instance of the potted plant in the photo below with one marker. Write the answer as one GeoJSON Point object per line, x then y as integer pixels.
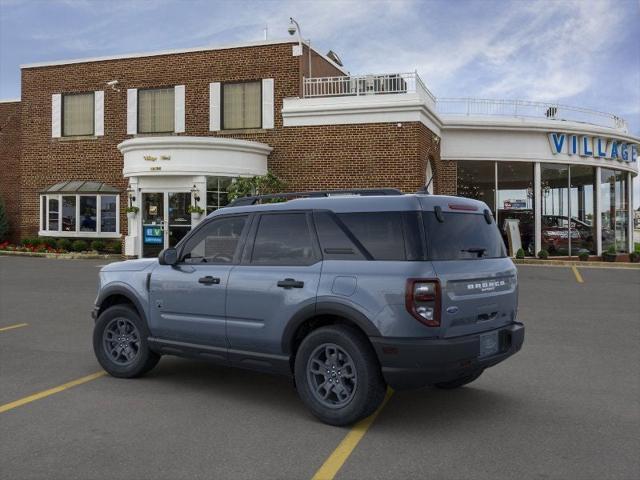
{"type": "Point", "coordinates": [195, 211]}
{"type": "Point", "coordinates": [131, 212]}
{"type": "Point", "coordinates": [635, 255]}
{"type": "Point", "coordinates": [543, 254]}
{"type": "Point", "coordinates": [520, 254]}
{"type": "Point", "coordinates": [610, 255]}
{"type": "Point", "coordinates": [583, 256]}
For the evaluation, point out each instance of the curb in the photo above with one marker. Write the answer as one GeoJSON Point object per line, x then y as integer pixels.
{"type": "Point", "coordinates": [575, 263]}
{"type": "Point", "coordinates": [64, 256]}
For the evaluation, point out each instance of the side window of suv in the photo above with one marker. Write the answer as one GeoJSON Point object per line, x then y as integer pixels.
{"type": "Point", "coordinates": [283, 239]}
{"type": "Point", "coordinates": [336, 241]}
{"type": "Point", "coordinates": [217, 242]}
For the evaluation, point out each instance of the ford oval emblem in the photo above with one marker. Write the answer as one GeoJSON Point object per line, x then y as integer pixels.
{"type": "Point", "coordinates": [452, 309]}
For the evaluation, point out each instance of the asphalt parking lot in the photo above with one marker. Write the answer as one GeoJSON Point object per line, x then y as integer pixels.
{"type": "Point", "coordinates": [567, 406]}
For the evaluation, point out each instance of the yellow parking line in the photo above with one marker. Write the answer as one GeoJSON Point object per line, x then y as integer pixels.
{"type": "Point", "coordinates": [37, 396]}
{"type": "Point", "coordinates": [11, 327]}
{"type": "Point", "coordinates": [577, 274]}
{"type": "Point", "coordinates": [334, 463]}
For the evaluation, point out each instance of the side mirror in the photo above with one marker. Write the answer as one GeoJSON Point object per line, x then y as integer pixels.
{"type": "Point", "coordinates": [168, 256]}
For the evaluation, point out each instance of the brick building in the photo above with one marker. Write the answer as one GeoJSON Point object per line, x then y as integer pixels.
{"type": "Point", "coordinates": [165, 130]}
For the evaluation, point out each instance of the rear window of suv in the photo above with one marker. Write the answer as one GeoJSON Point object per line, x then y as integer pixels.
{"type": "Point", "coordinates": [462, 236]}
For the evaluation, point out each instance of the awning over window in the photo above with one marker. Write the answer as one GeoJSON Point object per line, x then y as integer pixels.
{"type": "Point", "coordinates": [81, 186]}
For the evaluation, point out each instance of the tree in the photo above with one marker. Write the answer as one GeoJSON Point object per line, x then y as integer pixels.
{"type": "Point", "coordinates": [258, 185]}
{"type": "Point", "coordinates": [4, 222]}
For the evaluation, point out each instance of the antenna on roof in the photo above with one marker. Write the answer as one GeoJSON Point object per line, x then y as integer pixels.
{"type": "Point", "coordinates": [266, 32]}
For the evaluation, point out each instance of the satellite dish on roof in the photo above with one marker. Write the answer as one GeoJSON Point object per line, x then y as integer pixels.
{"type": "Point", "coordinates": [333, 56]}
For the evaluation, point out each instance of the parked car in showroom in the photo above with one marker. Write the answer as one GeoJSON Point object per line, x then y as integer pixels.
{"type": "Point", "coordinates": [346, 292]}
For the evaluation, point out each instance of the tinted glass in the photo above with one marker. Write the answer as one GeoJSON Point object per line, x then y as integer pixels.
{"type": "Point", "coordinates": [215, 243]}
{"type": "Point", "coordinates": [462, 236]}
{"type": "Point", "coordinates": [283, 239]}
{"type": "Point", "coordinates": [69, 214]}
{"type": "Point", "coordinates": [88, 214]}
{"type": "Point", "coordinates": [334, 242]}
{"type": "Point", "coordinates": [381, 233]}
{"type": "Point", "coordinates": [108, 213]}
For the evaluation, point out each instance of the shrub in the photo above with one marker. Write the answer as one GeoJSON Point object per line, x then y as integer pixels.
{"type": "Point", "coordinates": [114, 247]}
{"type": "Point", "coordinates": [79, 246]}
{"type": "Point", "coordinates": [634, 257]}
{"type": "Point", "coordinates": [4, 222]}
{"type": "Point", "coordinates": [64, 244]}
{"type": "Point", "coordinates": [98, 245]}
{"type": "Point", "coordinates": [611, 249]}
{"type": "Point", "coordinates": [28, 241]}
{"type": "Point", "coordinates": [258, 185]}
{"type": "Point", "coordinates": [583, 256]}
{"type": "Point", "coordinates": [543, 254]}
{"type": "Point", "coordinates": [47, 242]}
{"type": "Point", "coordinates": [520, 253]}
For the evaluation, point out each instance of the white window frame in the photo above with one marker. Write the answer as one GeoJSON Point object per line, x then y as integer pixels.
{"type": "Point", "coordinates": [78, 233]}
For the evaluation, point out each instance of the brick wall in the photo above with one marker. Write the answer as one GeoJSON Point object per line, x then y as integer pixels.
{"type": "Point", "coordinates": [10, 163]}
{"type": "Point", "coordinates": [339, 156]}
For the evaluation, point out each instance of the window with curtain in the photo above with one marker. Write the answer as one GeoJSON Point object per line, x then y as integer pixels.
{"type": "Point", "coordinates": [156, 110]}
{"type": "Point", "coordinates": [241, 105]}
{"type": "Point", "coordinates": [77, 114]}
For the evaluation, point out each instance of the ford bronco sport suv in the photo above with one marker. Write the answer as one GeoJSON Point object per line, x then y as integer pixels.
{"type": "Point", "coordinates": [345, 293]}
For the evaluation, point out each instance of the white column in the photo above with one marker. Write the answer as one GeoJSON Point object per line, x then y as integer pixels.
{"type": "Point", "coordinates": [537, 207]}
{"type": "Point", "coordinates": [630, 211]}
{"type": "Point", "coordinates": [598, 212]}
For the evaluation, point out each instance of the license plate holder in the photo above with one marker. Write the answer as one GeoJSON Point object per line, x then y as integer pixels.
{"type": "Point", "coordinates": [489, 344]}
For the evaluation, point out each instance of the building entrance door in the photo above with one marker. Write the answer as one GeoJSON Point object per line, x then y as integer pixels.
{"type": "Point", "coordinates": [165, 220]}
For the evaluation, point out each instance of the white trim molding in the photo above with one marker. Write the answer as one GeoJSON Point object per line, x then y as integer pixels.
{"type": "Point", "coordinates": [391, 108]}
{"type": "Point", "coordinates": [187, 156]}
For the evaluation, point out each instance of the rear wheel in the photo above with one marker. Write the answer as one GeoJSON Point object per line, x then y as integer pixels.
{"type": "Point", "coordinates": [120, 342]}
{"type": "Point", "coordinates": [459, 382]}
{"type": "Point", "coordinates": [338, 376]}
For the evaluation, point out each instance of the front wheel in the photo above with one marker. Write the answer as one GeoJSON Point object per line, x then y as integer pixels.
{"type": "Point", "coordinates": [120, 343]}
{"type": "Point", "coordinates": [338, 376]}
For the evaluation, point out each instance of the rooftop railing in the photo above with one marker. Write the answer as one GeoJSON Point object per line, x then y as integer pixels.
{"type": "Point", "coordinates": [402, 83]}
{"type": "Point", "coordinates": [528, 109]}
{"type": "Point", "coordinates": [357, 85]}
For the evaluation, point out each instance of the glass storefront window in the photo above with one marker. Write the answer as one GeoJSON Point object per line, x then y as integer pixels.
{"type": "Point", "coordinates": [69, 214]}
{"type": "Point", "coordinates": [477, 180]}
{"type": "Point", "coordinates": [217, 192]}
{"type": "Point", "coordinates": [581, 204]}
{"type": "Point", "coordinates": [108, 213]}
{"type": "Point", "coordinates": [554, 181]}
{"type": "Point", "coordinates": [516, 203]}
{"type": "Point", "coordinates": [614, 209]}
{"type": "Point", "coordinates": [88, 213]}
{"type": "Point", "coordinates": [53, 214]}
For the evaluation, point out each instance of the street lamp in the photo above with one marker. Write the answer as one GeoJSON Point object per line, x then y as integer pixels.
{"type": "Point", "coordinates": [294, 27]}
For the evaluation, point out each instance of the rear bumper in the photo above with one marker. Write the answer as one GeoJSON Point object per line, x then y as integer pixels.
{"type": "Point", "coordinates": [414, 363]}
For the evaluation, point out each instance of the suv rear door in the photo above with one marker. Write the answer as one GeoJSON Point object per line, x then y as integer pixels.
{"type": "Point", "coordinates": [278, 276]}
{"type": "Point", "coordinates": [478, 281]}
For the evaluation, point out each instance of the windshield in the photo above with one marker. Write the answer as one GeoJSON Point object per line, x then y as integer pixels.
{"type": "Point", "coordinates": [462, 236]}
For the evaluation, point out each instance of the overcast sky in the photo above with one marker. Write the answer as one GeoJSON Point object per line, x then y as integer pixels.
{"type": "Point", "coordinates": [583, 52]}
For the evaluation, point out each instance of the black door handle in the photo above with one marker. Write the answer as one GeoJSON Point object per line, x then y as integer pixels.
{"type": "Point", "coordinates": [209, 280]}
{"type": "Point", "coordinates": [290, 283]}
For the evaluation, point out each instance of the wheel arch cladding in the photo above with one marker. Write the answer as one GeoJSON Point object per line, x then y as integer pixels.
{"type": "Point", "coordinates": [326, 313]}
{"type": "Point", "coordinates": [118, 295]}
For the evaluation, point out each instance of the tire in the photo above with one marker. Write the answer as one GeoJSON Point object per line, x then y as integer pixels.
{"type": "Point", "coordinates": [132, 358]}
{"type": "Point", "coordinates": [459, 382]}
{"type": "Point", "coordinates": [359, 388]}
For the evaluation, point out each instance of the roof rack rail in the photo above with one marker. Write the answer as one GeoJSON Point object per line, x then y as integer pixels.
{"type": "Point", "coordinates": [253, 199]}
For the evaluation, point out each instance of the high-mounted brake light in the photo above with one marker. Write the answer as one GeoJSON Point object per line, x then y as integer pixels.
{"type": "Point", "coordinates": [461, 206]}
{"type": "Point", "coordinates": [422, 299]}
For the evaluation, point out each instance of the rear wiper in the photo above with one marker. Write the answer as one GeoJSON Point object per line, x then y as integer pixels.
{"type": "Point", "coordinates": [479, 251]}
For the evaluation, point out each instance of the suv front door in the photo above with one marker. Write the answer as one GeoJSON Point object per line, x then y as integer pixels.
{"type": "Point", "coordinates": [187, 301]}
{"type": "Point", "coordinates": [278, 276]}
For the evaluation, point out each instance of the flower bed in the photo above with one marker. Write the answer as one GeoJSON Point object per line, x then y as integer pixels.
{"type": "Point", "coordinates": [47, 245]}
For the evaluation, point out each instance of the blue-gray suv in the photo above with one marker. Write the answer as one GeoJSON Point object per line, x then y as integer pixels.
{"type": "Point", "coordinates": [347, 292]}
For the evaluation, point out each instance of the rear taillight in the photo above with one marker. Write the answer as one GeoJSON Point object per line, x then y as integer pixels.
{"type": "Point", "coordinates": [422, 299]}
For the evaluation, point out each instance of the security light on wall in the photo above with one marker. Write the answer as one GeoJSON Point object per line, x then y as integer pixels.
{"type": "Point", "coordinates": [113, 84]}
